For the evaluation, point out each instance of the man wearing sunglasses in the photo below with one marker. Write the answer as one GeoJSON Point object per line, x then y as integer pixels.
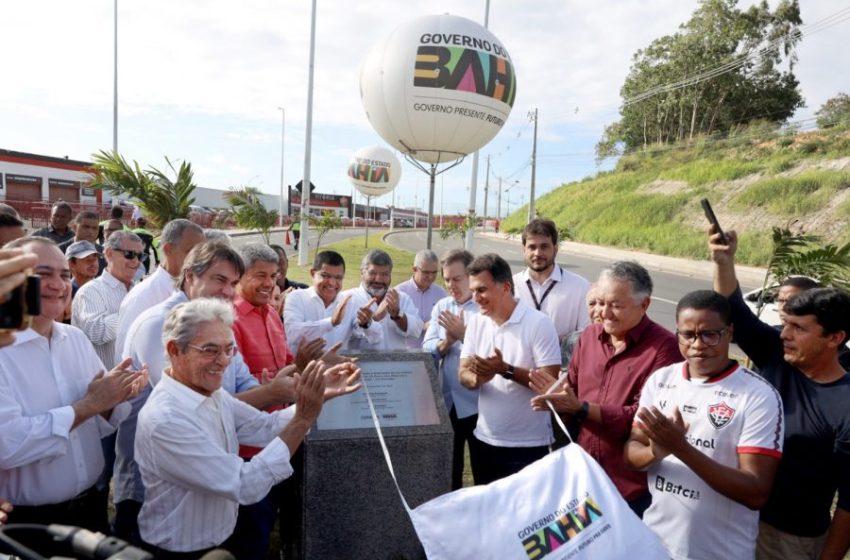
{"type": "Point", "coordinates": [709, 435]}
{"type": "Point", "coordinates": [95, 307]}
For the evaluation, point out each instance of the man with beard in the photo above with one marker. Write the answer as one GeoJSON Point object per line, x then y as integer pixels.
{"type": "Point", "coordinates": [547, 287]}
{"type": "Point", "coordinates": [376, 301]}
{"type": "Point", "coordinates": [321, 311]}
{"type": "Point", "coordinates": [802, 362]}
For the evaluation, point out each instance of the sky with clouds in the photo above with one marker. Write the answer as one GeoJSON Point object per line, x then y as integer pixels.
{"type": "Point", "coordinates": [203, 80]}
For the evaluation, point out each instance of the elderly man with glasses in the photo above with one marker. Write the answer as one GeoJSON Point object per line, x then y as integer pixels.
{"type": "Point", "coordinates": [190, 430]}
{"type": "Point", "coordinates": [423, 291]}
{"type": "Point", "coordinates": [709, 435]}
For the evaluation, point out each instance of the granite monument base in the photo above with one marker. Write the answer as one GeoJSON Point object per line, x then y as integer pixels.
{"type": "Point", "coordinates": [350, 508]}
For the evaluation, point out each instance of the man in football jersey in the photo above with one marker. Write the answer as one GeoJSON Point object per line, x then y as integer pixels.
{"type": "Point", "coordinates": [709, 433]}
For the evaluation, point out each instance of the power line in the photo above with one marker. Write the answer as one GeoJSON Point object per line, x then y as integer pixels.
{"type": "Point", "coordinates": [741, 60]}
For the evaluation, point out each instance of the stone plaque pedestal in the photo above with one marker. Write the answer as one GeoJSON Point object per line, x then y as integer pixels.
{"type": "Point", "coordinates": [349, 505]}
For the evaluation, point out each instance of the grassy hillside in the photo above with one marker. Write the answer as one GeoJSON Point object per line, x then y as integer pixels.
{"type": "Point", "coordinates": [755, 180]}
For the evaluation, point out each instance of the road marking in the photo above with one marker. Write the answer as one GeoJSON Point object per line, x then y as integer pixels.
{"type": "Point", "coordinates": [671, 302]}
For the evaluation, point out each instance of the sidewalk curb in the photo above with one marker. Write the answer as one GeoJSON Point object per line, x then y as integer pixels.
{"type": "Point", "coordinates": [749, 276]}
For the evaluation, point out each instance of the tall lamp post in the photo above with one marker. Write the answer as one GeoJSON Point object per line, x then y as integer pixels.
{"type": "Point", "coordinates": [282, 129]}
{"type": "Point", "coordinates": [304, 242]}
{"type": "Point", "coordinates": [115, 81]}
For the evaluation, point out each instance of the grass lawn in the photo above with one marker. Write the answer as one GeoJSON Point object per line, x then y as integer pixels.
{"type": "Point", "coordinates": [352, 250]}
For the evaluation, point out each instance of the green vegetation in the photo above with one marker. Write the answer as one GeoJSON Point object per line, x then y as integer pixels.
{"type": "Point", "coordinates": [249, 211]}
{"type": "Point", "coordinates": [352, 250]}
{"type": "Point", "coordinates": [793, 196]}
{"type": "Point", "coordinates": [160, 197]}
{"type": "Point", "coordinates": [756, 180]}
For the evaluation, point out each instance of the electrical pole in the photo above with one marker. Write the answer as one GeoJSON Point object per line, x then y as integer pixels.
{"type": "Point", "coordinates": [499, 204]}
{"type": "Point", "coordinates": [533, 167]}
{"type": "Point", "coordinates": [486, 191]}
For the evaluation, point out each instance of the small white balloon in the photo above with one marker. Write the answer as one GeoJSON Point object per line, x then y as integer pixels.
{"type": "Point", "coordinates": [438, 87]}
{"type": "Point", "coordinates": [374, 170]}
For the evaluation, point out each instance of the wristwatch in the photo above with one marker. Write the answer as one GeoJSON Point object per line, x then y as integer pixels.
{"type": "Point", "coordinates": [509, 372]}
{"type": "Point", "coordinates": [581, 413]}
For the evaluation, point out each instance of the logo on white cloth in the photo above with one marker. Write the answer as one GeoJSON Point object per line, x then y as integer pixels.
{"type": "Point", "coordinates": [720, 414]}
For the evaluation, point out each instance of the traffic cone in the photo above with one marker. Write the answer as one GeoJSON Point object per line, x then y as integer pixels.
{"type": "Point", "coordinates": [286, 239]}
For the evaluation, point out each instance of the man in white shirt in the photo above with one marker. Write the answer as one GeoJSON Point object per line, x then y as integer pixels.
{"type": "Point", "coordinates": [547, 287]}
{"type": "Point", "coordinates": [321, 312]}
{"type": "Point", "coordinates": [709, 432]}
{"type": "Point", "coordinates": [444, 340]}
{"type": "Point", "coordinates": [503, 343]}
{"type": "Point", "coordinates": [422, 290]}
{"type": "Point", "coordinates": [95, 308]}
{"type": "Point", "coordinates": [56, 403]}
{"type": "Point", "coordinates": [190, 430]}
{"type": "Point", "coordinates": [178, 238]}
{"type": "Point", "coordinates": [376, 301]}
{"type": "Point", "coordinates": [210, 270]}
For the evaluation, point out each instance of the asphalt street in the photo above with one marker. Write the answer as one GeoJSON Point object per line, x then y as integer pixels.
{"type": "Point", "coordinates": [669, 287]}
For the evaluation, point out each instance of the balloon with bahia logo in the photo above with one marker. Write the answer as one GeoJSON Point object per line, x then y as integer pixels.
{"type": "Point", "coordinates": [438, 87]}
{"type": "Point", "coordinates": [374, 170]}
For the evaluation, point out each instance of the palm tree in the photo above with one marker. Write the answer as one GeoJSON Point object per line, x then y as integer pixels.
{"type": "Point", "coordinates": [160, 198]}
{"type": "Point", "coordinates": [249, 212]}
{"type": "Point", "coordinates": [796, 253]}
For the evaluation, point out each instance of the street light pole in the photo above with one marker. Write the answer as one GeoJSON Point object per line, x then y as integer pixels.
{"type": "Point", "coordinates": [531, 212]}
{"type": "Point", "coordinates": [115, 81]}
{"type": "Point", "coordinates": [282, 129]}
{"type": "Point", "coordinates": [304, 242]}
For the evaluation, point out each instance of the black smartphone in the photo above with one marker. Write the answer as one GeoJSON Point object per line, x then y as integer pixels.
{"type": "Point", "coordinates": [21, 304]}
{"type": "Point", "coordinates": [712, 219]}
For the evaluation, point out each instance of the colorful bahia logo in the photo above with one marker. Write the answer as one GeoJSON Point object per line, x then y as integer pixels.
{"type": "Point", "coordinates": [559, 532]}
{"type": "Point", "coordinates": [463, 69]}
{"type": "Point", "coordinates": [369, 171]}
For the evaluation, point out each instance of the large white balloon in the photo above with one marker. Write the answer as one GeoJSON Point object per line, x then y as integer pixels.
{"type": "Point", "coordinates": [438, 87]}
{"type": "Point", "coordinates": [374, 170]}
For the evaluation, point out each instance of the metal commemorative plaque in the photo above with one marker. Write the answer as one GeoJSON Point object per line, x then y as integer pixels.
{"type": "Point", "coordinates": [401, 391]}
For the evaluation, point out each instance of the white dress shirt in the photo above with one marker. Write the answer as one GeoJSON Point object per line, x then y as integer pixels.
{"type": "Point", "coordinates": [393, 338]}
{"type": "Point", "coordinates": [565, 303]}
{"type": "Point", "coordinates": [95, 312]}
{"type": "Point", "coordinates": [465, 401]}
{"type": "Point", "coordinates": [187, 448]}
{"type": "Point", "coordinates": [424, 302]}
{"type": "Point", "coordinates": [144, 345]}
{"type": "Point", "coordinates": [144, 295]}
{"type": "Point", "coordinates": [305, 317]}
{"type": "Point", "coordinates": [42, 460]}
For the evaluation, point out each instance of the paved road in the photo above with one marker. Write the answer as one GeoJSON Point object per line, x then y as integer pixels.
{"type": "Point", "coordinates": [332, 236]}
{"type": "Point", "coordinates": [668, 287]}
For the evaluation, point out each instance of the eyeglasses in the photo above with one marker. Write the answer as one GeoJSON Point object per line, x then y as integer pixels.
{"type": "Point", "coordinates": [708, 337]}
{"type": "Point", "coordinates": [130, 255]}
{"type": "Point", "coordinates": [211, 351]}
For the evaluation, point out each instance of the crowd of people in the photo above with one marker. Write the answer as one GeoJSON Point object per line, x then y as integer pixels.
{"type": "Point", "coordinates": [187, 385]}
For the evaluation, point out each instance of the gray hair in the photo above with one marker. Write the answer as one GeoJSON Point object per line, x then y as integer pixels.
{"type": "Point", "coordinates": [376, 257]}
{"type": "Point", "coordinates": [114, 241]}
{"type": "Point", "coordinates": [174, 230]}
{"type": "Point", "coordinates": [423, 256]}
{"type": "Point", "coordinates": [183, 321]}
{"type": "Point", "coordinates": [257, 252]}
{"type": "Point", "coordinates": [632, 272]}
{"type": "Point", "coordinates": [221, 236]}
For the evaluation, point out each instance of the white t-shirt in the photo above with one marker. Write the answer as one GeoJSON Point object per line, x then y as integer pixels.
{"type": "Point", "coordinates": [736, 413]}
{"type": "Point", "coordinates": [527, 340]}
{"type": "Point", "coordinates": [565, 302]}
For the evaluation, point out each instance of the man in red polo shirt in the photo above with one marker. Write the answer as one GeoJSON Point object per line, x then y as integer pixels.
{"type": "Point", "coordinates": [607, 371]}
{"type": "Point", "coordinates": [259, 333]}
